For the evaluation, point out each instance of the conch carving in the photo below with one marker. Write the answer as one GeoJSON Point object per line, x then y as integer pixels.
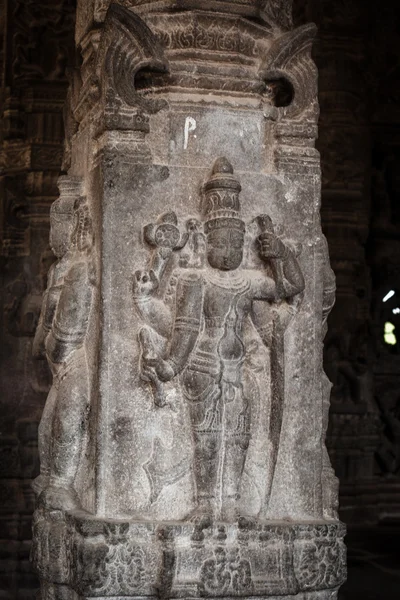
{"type": "Point", "coordinates": [60, 336]}
{"type": "Point", "coordinates": [127, 47]}
{"type": "Point", "coordinates": [200, 342]}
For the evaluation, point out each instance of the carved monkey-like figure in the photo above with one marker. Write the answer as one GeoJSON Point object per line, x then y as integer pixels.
{"type": "Point", "coordinates": [61, 335]}
{"type": "Point", "coordinates": [206, 347]}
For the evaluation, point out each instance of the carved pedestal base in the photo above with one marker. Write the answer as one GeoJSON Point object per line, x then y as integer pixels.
{"type": "Point", "coordinates": [96, 558]}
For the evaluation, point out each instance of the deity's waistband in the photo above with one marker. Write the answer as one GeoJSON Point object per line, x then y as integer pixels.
{"type": "Point", "coordinates": [214, 322]}
{"type": "Point", "coordinates": [205, 362]}
{"type": "Point", "coordinates": [213, 364]}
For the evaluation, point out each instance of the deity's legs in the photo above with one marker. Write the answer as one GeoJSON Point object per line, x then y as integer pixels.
{"type": "Point", "coordinates": [68, 419]}
{"type": "Point", "coordinates": [236, 432]}
{"type": "Point", "coordinates": [207, 447]}
{"type": "Point", "coordinates": [45, 440]}
{"type": "Point", "coordinates": [221, 437]}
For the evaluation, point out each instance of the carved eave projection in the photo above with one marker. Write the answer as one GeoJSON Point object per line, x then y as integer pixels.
{"type": "Point", "coordinates": [128, 48]}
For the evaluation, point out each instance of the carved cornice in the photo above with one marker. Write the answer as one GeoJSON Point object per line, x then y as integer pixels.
{"type": "Point", "coordinates": [277, 13]}
{"type": "Point", "coordinates": [198, 33]}
{"type": "Point", "coordinates": [139, 64]}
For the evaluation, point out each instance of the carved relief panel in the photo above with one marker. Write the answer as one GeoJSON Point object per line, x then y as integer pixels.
{"type": "Point", "coordinates": [196, 332]}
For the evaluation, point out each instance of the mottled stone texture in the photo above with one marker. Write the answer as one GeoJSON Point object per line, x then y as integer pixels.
{"type": "Point", "coordinates": [182, 444]}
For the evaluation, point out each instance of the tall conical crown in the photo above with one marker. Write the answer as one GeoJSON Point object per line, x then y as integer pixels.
{"type": "Point", "coordinates": [221, 192]}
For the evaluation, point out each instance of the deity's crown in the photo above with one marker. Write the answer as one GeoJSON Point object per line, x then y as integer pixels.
{"type": "Point", "coordinates": [221, 203]}
{"type": "Point", "coordinates": [70, 188]}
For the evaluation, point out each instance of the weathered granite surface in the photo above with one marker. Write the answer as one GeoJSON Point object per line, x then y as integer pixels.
{"type": "Point", "coordinates": [182, 442]}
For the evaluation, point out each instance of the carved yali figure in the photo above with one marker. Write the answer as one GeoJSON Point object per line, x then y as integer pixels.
{"type": "Point", "coordinates": [206, 346]}
{"type": "Point", "coordinates": [61, 336]}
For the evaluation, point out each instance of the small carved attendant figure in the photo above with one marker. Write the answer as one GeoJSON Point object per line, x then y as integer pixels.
{"type": "Point", "coordinates": [61, 224]}
{"type": "Point", "coordinates": [206, 347]}
{"type": "Point", "coordinates": [61, 334]}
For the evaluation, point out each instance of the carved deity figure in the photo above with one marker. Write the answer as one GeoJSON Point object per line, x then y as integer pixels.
{"type": "Point", "coordinates": [61, 337]}
{"type": "Point", "coordinates": [202, 342]}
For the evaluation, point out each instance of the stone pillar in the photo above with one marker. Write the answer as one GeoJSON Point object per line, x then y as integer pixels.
{"type": "Point", "coordinates": [182, 443]}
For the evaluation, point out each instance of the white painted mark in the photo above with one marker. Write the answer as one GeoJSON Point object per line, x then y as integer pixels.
{"type": "Point", "coordinates": [190, 126]}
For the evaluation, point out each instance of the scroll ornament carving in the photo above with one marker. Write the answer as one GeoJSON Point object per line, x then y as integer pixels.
{"type": "Point", "coordinates": [320, 563]}
{"type": "Point", "coordinates": [226, 573]}
{"type": "Point", "coordinates": [128, 46]}
{"type": "Point", "coordinates": [193, 32]}
{"type": "Point", "coordinates": [200, 341]}
{"type": "Point", "coordinates": [123, 569]}
{"type": "Point", "coordinates": [104, 557]}
{"type": "Point", "coordinates": [60, 336]}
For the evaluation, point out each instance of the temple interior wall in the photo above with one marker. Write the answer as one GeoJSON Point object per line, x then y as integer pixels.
{"type": "Point", "coordinates": [359, 141]}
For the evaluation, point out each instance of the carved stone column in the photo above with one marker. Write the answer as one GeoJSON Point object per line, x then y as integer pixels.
{"type": "Point", "coordinates": [182, 444]}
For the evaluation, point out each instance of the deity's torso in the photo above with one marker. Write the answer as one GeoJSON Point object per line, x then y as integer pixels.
{"type": "Point", "coordinates": [227, 300]}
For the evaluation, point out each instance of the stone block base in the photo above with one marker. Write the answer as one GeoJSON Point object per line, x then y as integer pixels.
{"type": "Point", "coordinates": [80, 557]}
{"type": "Point", "coordinates": [56, 593]}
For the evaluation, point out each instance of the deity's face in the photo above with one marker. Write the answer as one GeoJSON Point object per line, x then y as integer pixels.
{"type": "Point", "coordinates": [225, 248]}
{"type": "Point", "coordinates": [60, 233]}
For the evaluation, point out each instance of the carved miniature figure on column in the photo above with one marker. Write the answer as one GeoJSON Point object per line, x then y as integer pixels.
{"type": "Point", "coordinates": [61, 336]}
{"type": "Point", "coordinates": [206, 347]}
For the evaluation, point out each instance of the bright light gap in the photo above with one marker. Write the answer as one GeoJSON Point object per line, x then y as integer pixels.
{"type": "Point", "coordinates": [389, 295]}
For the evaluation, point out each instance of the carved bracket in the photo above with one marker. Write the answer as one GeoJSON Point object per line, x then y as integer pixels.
{"type": "Point", "coordinates": [128, 50]}
{"type": "Point", "coordinates": [289, 60]}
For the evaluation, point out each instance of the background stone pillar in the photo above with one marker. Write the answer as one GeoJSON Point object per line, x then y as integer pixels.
{"type": "Point", "coordinates": [383, 250]}
{"type": "Point", "coordinates": [345, 142]}
{"type": "Point", "coordinates": [36, 43]}
{"type": "Point", "coordinates": [182, 442]}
